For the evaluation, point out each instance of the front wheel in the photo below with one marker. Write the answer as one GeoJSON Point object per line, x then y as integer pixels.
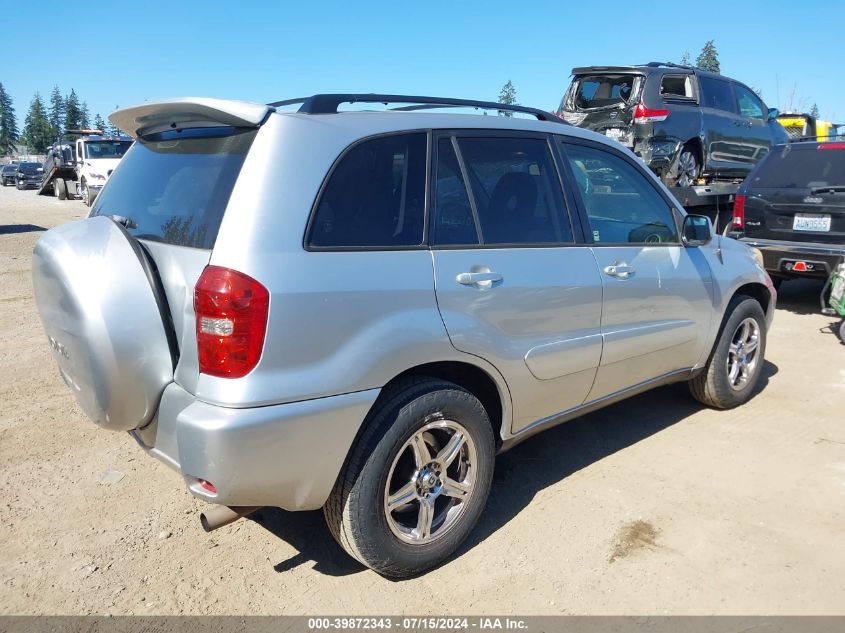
{"type": "Point", "coordinates": [736, 362]}
{"type": "Point", "coordinates": [417, 479]}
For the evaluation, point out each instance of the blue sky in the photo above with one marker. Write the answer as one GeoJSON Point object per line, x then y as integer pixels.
{"type": "Point", "coordinates": [127, 52]}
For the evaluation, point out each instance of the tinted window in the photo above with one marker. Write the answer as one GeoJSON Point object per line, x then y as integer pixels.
{"type": "Point", "coordinates": [804, 168]}
{"type": "Point", "coordinates": [106, 149]}
{"type": "Point", "coordinates": [175, 185]}
{"type": "Point", "coordinates": [749, 104]}
{"type": "Point", "coordinates": [375, 195]}
{"type": "Point", "coordinates": [716, 93]}
{"type": "Point", "coordinates": [453, 223]}
{"type": "Point", "coordinates": [516, 191]}
{"type": "Point", "coordinates": [622, 206]}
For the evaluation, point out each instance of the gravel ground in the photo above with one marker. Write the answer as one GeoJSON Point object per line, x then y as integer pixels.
{"type": "Point", "coordinates": [652, 506]}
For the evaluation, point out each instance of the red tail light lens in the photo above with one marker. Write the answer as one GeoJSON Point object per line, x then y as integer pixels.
{"type": "Point", "coordinates": [643, 114]}
{"type": "Point", "coordinates": [832, 146]}
{"type": "Point", "coordinates": [231, 311]}
{"type": "Point", "coordinates": [739, 212]}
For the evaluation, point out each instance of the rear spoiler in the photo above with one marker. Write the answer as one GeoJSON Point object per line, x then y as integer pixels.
{"type": "Point", "coordinates": [148, 118]}
{"type": "Point", "coordinates": [588, 70]}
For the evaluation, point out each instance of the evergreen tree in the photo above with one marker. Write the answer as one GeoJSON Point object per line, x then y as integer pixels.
{"type": "Point", "coordinates": [100, 124]}
{"type": "Point", "coordinates": [507, 96]}
{"type": "Point", "coordinates": [814, 111]}
{"type": "Point", "coordinates": [709, 58]}
{"type": "Point", "coordinates": [37, 130]}
{"type": "Point", "coordinates": [685, 60]}
{"type": "Point", "coordinates": [8, 124]}
{"type": "Point", "coordinates": [73, 113]}
{"type": "Point", "coordinates": [85, 116]}
{"type": "Point", "coordinates": [57, 112]}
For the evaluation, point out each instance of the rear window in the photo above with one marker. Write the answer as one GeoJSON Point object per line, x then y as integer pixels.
{"type": "Point", "coordinates": [599, 91]}
{"type": "Point", "coordinates": [790, 167]}
{"type": "Point", "coordinates": [174, 186]}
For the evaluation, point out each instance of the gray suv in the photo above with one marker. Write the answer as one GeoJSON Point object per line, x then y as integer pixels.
{"type": "Point", "coordinates": [685, 123]}
{"type": "Point", "coordinates": [357, 310]}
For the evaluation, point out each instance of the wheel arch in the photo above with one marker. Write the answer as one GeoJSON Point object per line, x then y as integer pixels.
{"type": "Point", "coordinates": [760, 293]}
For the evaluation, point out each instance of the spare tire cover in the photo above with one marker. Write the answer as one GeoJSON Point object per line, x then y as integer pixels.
{"type": "Point", "coordinates": [103, 321]}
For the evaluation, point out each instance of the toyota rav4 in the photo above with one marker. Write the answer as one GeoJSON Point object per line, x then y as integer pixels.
{"type": "Point", "coordinates": [357, 310]}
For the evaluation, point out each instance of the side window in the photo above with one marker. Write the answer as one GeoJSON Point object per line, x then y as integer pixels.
{"type": "Point", "coordinates": [676, 86]}
{"type": "Point", "coordinates": [749, 104]}
{"type": "Point", "coordinates": [375, 196]}
{"type": "Point", "coordinates": [515, 192]}
{"type": "Point", "coordinates": [716, 93]}
{"type": "Point", "coordinates": [453, 219]}
{"type": "Point", "coordinates": [622, 206]}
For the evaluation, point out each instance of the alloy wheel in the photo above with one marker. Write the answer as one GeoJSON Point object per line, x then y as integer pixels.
{"type": "Point", "coordinates": [430, 482]}
{"type": "Point", "coordinates": [743, 353]}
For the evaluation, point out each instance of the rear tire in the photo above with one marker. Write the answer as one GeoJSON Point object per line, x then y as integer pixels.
{"type": "Point", "coordinates": [842, 331]}
{"type": "Point", "coordinates": [688, 169]}
{"type": "Point", "coordinates": [737, 358]}
{"type": "Point", "coordinates": [401, 462]}
{"type": "Point", "coordinates": [61, 188]}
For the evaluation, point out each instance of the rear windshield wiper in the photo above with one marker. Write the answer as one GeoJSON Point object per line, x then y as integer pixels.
{"type": "Point", "coordinates": [829, 188]}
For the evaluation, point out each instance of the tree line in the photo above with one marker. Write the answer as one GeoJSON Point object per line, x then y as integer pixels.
{"type": "Point", "coordinates": [45, 121]}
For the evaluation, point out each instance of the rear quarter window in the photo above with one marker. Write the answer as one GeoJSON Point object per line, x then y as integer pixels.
{"type": "Point", "coordinates": [174, 186]}
{"type": "Point", "coordinates": [374, 196]}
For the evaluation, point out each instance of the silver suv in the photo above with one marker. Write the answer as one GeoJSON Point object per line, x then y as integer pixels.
{"type": "Point", "coordinates": [357, 310]}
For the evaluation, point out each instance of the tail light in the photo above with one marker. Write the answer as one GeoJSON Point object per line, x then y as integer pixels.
{"type": "Point", "coordinates": [739, 212]}
{"type": "Point", "coordinates": [832, 146]}
{"type": "Point", "coordinates": [231, 311]}
{"type": "Point", "coordinates": [643, 114]}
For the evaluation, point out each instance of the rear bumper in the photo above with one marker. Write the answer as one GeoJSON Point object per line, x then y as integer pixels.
{"type": "Point", "coordinates": [286, 455]}
{"type": "Point", "coordinates": [778, 256]}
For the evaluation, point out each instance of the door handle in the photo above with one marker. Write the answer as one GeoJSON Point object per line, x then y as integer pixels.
{"type": "Point", "coordinates": [620, 270]}
{"type": "Point", "coordinates": [480, 280]}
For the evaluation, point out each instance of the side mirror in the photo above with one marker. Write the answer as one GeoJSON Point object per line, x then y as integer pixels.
{"type": "Point", "coordinates": [697, 230]}
{"type": "Point", "coordinates": [773, 114]}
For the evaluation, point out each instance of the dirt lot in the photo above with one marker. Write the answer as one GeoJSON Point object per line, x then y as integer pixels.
{"type": "Point", "coordinates": [649, 507]}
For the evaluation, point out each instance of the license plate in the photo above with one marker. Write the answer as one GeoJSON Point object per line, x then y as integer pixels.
{"type": "Point", "coordinates": [618, 135]}
{"type": "Point", "coordinates": [811, 222]}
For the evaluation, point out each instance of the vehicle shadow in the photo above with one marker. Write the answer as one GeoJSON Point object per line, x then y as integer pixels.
{"type": "Point", "coordinates": [520, 474]}
{"type": "Point", "coordinates": [10, 229]}
{"type": "Point", "coordinates": [800, 296]}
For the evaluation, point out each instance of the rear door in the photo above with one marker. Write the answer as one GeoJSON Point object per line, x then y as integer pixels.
{"type": "Point", "coordinates": [725, 152]}
{"type": "Point", "coordinates": [797, 194]}
{"type": "Point", "coordinates": [512, 284]}
{"type": "Point", "coordinates": [757, 137]}
{"type": "Point", "coordinates": [115, 291]}
{"type": "Point", "coordinates": [604, 103]}
{"type": "Point", "coordinates": [657, 305]}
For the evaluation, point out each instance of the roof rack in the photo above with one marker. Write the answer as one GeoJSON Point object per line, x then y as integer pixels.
{"type": "Point", "coordinates": [668, 65]}
{"type": "Point", "coordinates": [328, 104]}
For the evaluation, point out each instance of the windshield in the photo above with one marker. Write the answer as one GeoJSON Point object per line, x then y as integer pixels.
{"type": "Point", "coordinates": [8, 168]}
{"type": "Point", "coordinates": [601, 91]}
{"type": "Point", "coordinates": [30, 168]}
{"type": "Point", "coordinates": [173, 187]}
{"type": "Point", "coordinates": [805, 168]}
{"type": "Point", "coordinates": [106, 149]}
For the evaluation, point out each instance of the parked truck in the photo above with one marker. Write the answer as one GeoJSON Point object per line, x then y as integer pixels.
{"type": "Point", "coordinates": [79, 168]}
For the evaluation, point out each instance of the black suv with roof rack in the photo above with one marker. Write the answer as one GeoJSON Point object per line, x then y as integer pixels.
{"type": "Point", "coordinates": [685, 123]}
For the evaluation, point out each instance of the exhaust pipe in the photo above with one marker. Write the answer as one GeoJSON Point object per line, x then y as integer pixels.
{"type": "Point", "coordinates": [218, 516]}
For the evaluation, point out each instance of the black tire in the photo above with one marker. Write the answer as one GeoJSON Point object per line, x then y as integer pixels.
{"type": "Point", "coordinates": [18, 186]}
{"type": "Point", "coordinates": [61, 188]}
{"type": "Point", "coordinates": [356, 508]}
{"type": "Point", "coordinates": [687, 170]}
{"type": "Point", "coordinates": [712, 386]}
{"type": "Point", "coordinates": [842, 331]}
{"type": "Point", "coordinates": [86, 195]}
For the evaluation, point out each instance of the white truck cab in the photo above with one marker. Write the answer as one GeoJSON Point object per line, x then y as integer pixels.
{"type": "Point", "coordinates": [96, 158]}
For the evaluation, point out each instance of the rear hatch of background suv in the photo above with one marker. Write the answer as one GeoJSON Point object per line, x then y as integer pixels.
{"type": "Point", "coordinates": [797, 194]}
{"type": "Point", "coordinates": [115, 291]}
{"type": "Point", "coordinates": [603, 101]}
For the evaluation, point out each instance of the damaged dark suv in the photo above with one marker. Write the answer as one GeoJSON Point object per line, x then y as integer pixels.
{"type": "Point", "coordinates": [685, 123]}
